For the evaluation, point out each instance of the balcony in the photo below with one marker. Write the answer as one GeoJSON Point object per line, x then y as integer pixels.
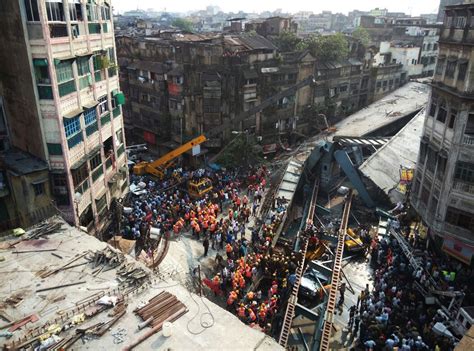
{"type": "Point", "coordinates": [468, 139]}
{"type": "Point", "coordinates": [463, 187]}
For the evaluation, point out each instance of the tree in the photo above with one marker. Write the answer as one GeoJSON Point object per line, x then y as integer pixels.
{"type": "Point", "coordinates": [287, 41]}
{"type": "Point", "coordinates": [361, 34]}
{"type": "Point", "coordinates": [183, 24]}
{"type": "Point", "coordinates": [326, 48]}
{"type": "Point", "coordinates": [241, 151]}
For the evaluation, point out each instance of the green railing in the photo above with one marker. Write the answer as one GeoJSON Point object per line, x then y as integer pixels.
{"type": "Point", "coordinates": [67, 88]}
{"type": "Point", "coordinates": [97, 173]}
{"type": "Point", "coordinates": [105, 28]}
{"type": "Point", "coordinates": [105, 119]}
{"type": "Point", "coordinates": [94, 28]}
{"type": "Point", "coordinates": [45, 92]}
{"type": "Point", "coordinates": [74, 140]}
{"type": "Point", "coordinates": [116, 111]}
{"type": "Point", "coordinates": [91, 128]}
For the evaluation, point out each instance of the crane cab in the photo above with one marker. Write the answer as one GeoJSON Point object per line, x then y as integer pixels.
{"type": "Point", "coordinates": [198, 189]}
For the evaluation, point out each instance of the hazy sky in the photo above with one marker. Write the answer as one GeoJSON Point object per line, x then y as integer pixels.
{"type": "Point", "coordinates": [413, 7]}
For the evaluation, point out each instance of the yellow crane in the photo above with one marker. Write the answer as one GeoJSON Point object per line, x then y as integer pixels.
{"type": "Point", "coordinates": [158, 167]}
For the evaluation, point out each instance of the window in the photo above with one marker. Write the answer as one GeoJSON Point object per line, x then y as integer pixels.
{"type": "Point", "coordinates": [101, 204]}
{"type": "Point", "coordinates": [431, 160]}
{"type": "Point", "coordinates": [441, 167]}
{"type": "Point", "coordinates": [413, 61]}
{"type": "Point", "coordinates": [80, 174]}
{"type": "Point", "coordinates": [452, 118]}
{"type": "Point", "coordinates": [425, 195]}
{"type": "Point", "coordinates": [450, 68]}
{"type": "Point", "coordinates": [442, 114]}
{"type": "Point", "coordinates": [105, 13]}
{"type": "Point", "coordinates": [343, 88]}
{"type": "Point", "coordinates": [64, 71]}
{"type": "Point", "coordinates": [460, 22]}
{"type": "Point", "coordinates": [32, 10]}
{"type": "Point", "coordinates": [435, 47]}
{"type": "Point", "coordinates": [55, 10]}
{"type": "Point", "coordinates": [119, 139]}
{"type": "Point", "coordinates": [91, 12]}
{"type": "Point", "coordinates": [72, 126]}
{"type": "Point", "coordinates": [95, 161]}
{"type": "Point", "coordinates": [83, 66]}
{"type": "Point", "coordinates": [41, 71]}
{"type": "Point", "coordinates": [39, 188]}
{"type": "Point", "coordinates": [464, 172]}
{"type": "Point", "coordinates": [460, 218]}
{"type": "Point", "coordinates": [462, 71]}
{"type": "Point", "coordinates": [90, 116]}
{"type": "Point", "coordinates": [440, 66]}
{"type": "Point", "coordinates": [379, 84]}
{"type": "Point", "coordinates": [103, 104]}
{"type": "Point", "coordinates": [428, 47]}
{"type": "Point", "coordinates": [75, 10]}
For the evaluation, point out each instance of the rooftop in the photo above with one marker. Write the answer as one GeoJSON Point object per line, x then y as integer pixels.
{"type": "Point", "coordinates": [384, 166]}
{"type": "Point", "coordinates": [21, 162]}
{"type": "Point", "coordinates": [32, 265]}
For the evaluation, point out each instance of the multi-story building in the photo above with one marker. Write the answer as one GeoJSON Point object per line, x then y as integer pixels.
{"type": "Point", "coordinates": [62, 101]}
{"type": "Point", "coordinates": [442, 5]}
{"type": "Point", "coordinates": [443, 189]}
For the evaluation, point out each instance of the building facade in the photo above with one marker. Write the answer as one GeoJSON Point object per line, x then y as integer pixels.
{"type": "Point", "coordinates": [62, 101]}
{"type": "Point", "coordinates": [443, 189]}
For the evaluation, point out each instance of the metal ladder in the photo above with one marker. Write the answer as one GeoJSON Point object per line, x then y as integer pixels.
{"type": "Point", "coordinates": [293, 299]}
{"type": "Point", "coordinates": [336, 275]}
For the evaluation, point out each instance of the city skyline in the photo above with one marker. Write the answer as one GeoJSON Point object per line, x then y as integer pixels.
{"type": "Point", "coordinates": [183, 6]}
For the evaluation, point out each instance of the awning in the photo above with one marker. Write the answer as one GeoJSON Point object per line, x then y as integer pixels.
{"type": "Point", "coordinates": [452, 58]}
{"type": "Point", "coordinates": [462, 61]}
{"type": "Point", "coordinates": [40, 62]}
{"type": "Point", "coordinates": [119, 98]}
{"type": "Point", "coordinates": [79, 163]}
{"type": "Point", "coordinates": [90, 104]}
{"type": "Point", "coordinates": [74, 113]}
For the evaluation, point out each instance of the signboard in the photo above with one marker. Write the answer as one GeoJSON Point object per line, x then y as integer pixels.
{"type": "Point", "coordinates": [406, 177]}
{"type": "Point", "coordinates": [458, 250]}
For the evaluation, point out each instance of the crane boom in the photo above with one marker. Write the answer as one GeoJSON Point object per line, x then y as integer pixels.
{"type": "Point", "coordinates": [156, 167]}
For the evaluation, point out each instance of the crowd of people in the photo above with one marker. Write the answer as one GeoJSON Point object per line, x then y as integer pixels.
{"type": "Point", "coordinates": [171, 209]}
{"type": "Point", "coordinates": [394, 314]}
{"type": "Point", "coordinates": [220, 220]}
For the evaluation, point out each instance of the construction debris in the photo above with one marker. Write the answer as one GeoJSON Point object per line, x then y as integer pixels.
{"type": "Point", "coordinates": [162, 308]}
